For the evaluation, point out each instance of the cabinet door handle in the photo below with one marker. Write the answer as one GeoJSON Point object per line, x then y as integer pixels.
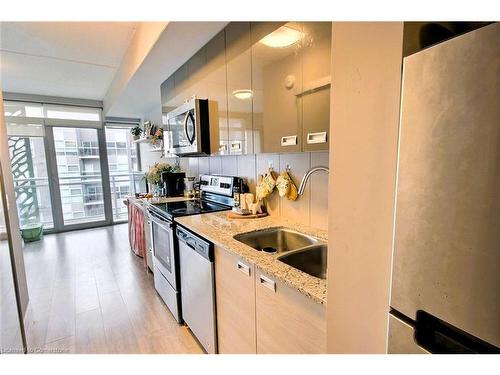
{"type": "Point", "coordinates": [316, 138]}
{"type": "Point", "coordinates": [267, 282]}
{"type": "Point", "coordinates": [290, 140]}
{"type": "Point", "coordinates": [243, 268]}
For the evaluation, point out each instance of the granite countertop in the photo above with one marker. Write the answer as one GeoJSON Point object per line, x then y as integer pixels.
{"type": "Point", "coordinates": [219, 229]}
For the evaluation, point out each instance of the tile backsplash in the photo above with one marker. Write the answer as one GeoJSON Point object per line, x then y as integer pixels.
{"type": "Point", "coordinates": [311, 208]}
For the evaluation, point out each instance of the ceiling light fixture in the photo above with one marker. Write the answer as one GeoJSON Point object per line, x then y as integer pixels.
{"type": "Point", "coordinates": [243, 94]}
{"type": "Point", "coordinates": [283, 37]}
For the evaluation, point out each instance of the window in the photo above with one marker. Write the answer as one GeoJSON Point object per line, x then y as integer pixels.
{"type": "Point", "coordinates": [31, 180]}
{"type": "Point", "coordinates": [72, 113]}
{"type": "Point", "coordinates": [75, 146]}
{"type": "Point", "coordinates": [125, 179]}
{"type": "Point", "coordinates": [22, 109]}
{"type": "Point", "coordinates": [75, 150]}
{"type": "Point", "coordinates": [73, 168]}
{"type": "Point", "coordinates": [79, 172]}
{"type": "Point", "coordinates": [75, 191]}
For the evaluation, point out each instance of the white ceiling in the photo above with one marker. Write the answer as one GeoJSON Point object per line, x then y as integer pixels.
{"type": "Point", "coordinates": [68, 59]}
{"type": "Point", "coordinates": [80, 60]}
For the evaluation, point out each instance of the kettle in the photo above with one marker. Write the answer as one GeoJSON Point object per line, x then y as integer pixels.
{"type": "Point", "coordinates": [189, 190]}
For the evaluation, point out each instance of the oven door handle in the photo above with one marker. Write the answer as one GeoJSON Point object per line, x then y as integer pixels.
{"type": "Point", "coordinates": [160, 221]}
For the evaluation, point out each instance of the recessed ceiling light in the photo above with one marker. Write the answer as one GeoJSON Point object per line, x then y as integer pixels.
{"type": "Point", "coordinates": [243, 94]}
{"type": "Point", "coordinates": [283, 37]}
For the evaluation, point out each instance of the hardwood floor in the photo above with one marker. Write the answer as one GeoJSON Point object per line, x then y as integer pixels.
{"type": "Point", "coordinates": [90, 294]}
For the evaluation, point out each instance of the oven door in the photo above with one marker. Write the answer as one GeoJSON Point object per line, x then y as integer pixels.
{"type": "Point", "coordinates": [164, 257]}
{"type": "Point", "coordinates": [183, 127]}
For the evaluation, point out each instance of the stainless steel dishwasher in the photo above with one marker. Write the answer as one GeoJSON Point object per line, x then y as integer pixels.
{"type": "Point", "coordinates": [198, 287]}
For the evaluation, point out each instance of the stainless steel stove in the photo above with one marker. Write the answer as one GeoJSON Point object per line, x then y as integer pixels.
{"type": "Point", "coordinates": [187, 207]}
{"type": "Point", "coordinates": [216, 194]}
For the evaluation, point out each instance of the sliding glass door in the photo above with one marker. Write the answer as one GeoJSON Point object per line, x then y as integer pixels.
{"type": "Point", "coordinates": [79, 175]}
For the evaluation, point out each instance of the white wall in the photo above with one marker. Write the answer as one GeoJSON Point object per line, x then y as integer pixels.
{"type": "Point", "coordinates": [366, 80]}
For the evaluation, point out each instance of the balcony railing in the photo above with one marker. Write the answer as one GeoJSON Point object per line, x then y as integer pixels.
{"type": "Point", "coordinates": [135, 180]}
{"type": "Point", "coordinates": [86, 152]}
{"type": "Point", "coordinates": [33, 201]}
{"type": "Point", "coordinates": [121, 185]}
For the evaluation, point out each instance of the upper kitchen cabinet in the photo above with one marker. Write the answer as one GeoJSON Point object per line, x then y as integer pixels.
{"type": "Point", "coordinates": [181, 85]}
{"type": "Point", "coordinates": [213, 83]}
{"type": "Point", "coordinates": [268, 86]}
{"type": "Point", "coordinates": [277, 85]}
{"type": "Point", "coordinates": [316, 61]}
{"type": "Point", "coordinates": [184, 83]}
{"type": "Point", "coordinates": [167, 94]}
{"type": "Point", "coordinates": [291, 84]}
{"type": "Point", "coordinates": [196, 66]}
{"type": "Point", "coordinates": [239, 87]}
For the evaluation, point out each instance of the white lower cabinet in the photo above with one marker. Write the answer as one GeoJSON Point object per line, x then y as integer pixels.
{"type": "Point", "coordinates": [258, 314]}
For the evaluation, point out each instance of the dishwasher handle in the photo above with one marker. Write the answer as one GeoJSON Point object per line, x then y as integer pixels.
{"type": "Point", "coordinates": [198, 244]}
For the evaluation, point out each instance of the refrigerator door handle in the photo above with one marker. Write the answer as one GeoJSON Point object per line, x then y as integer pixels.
{"type": "Point", "coordinates": [440, 337]}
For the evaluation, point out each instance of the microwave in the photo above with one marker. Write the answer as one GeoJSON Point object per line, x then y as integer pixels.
{"type": "Point", "coordinates": [189, 128]}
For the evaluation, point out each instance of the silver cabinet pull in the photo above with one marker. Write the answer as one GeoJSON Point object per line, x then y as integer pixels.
{"type": "Point", "coordinates": [243, 268]}
{"type": "Point", "coordinates": [316, 138]}
{"type": "Point", "coordinates": [267, 282]}
{"type": "Point", "coordinates": [289, 140]}
{"type": "Point", "coordinates": [222, 148]}
{"type": "Point", "coordinates": [236, 146]}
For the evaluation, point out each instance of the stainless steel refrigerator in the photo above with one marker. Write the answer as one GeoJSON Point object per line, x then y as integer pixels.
{"type": "Point", "coordinates": [445, 294]}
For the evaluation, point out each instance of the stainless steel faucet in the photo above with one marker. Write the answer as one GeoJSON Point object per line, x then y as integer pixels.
{"type": "Point", "coordinates": [308, 174]}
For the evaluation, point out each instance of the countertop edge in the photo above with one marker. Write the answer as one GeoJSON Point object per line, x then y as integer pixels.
{"type": "Point", "coordinates": [296, 279]}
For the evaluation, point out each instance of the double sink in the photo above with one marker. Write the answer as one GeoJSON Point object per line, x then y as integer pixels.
{"type": "Point", "coordinates": [296, 249]}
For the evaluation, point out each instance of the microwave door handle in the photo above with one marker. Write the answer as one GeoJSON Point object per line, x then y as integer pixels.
{"type": "Point", "coordinates": [190, 139]}
{"type": "Point", "coordinates": [186, 125]}
{"type": "Point", "coordinates": [186, 128]}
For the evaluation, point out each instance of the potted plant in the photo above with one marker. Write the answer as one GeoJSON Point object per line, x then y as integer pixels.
{"type": "Point", "coordinates": [153, 176]}
{"type": "Point", "coordinates": [157, 137]}
{"type": "Point", "coordinates": [136, 131]}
